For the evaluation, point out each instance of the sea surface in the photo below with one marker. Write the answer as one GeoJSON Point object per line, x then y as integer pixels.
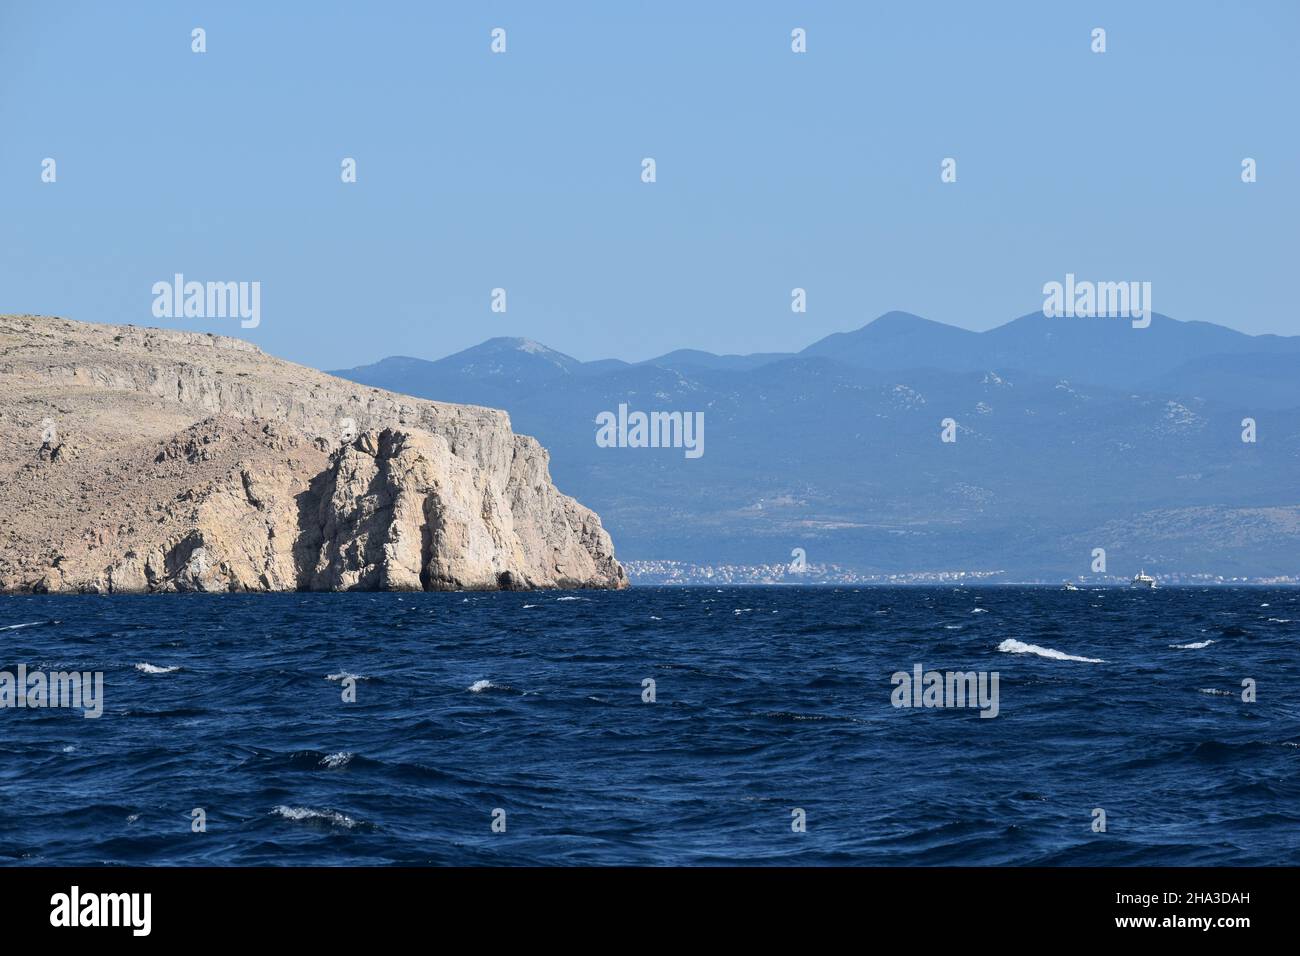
{"type": "Point", "coordinates": [529, 709]}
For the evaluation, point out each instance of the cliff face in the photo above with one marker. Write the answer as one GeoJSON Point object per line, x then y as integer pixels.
{"type": "Point", "coordinates": [135, 460]}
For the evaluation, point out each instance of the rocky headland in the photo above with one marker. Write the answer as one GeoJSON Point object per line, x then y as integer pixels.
{"type": "Point", "coordinates": [137, 460]}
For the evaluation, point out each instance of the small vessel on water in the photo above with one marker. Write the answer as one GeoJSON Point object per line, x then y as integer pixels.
{"type": "Point", "coordinates": [1071, 586]}
{"type": "Point", "coordinates": [1143, 580]}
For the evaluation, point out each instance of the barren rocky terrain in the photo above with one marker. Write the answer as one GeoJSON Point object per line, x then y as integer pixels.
{"type": "Point", "coordinates": [136, 460]}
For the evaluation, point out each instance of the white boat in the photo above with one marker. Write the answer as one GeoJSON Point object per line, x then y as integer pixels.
{"type": "Point", "coordinates": [1070, 586]}
{"type": "Point", "coordinates": [1143, 580]}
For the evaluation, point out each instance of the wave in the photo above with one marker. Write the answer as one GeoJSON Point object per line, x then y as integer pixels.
{"type": "Point", "coordinates": [1011, 646]}
{"type": "Point", "coordinates": [980, 610]}
{"type": "Point", "coordinates": [14, 627]}
{"type": "Point", "coordinates": [340, 759]}
{"type": "Point", "coordinates": [167, 713]}
{"type": "Point", "coordinates": [344, 675]}
{"type": "Point", "coordinates": [332, 817]}
{"type": "Point", "coordinates": [1215, 692]}
{"type": "Point", "coordinates": [479, 686]}
{"type": "Point", "coordinates": [1194, 646]}
{"type": "Point", "coordinates": [148, 668]}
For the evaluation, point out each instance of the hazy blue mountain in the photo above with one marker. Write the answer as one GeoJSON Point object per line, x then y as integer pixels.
{"type": "Point", "coordinates": [902, 340]}
{"type": "Point", "coordinates": [494, 373]}
{"type": "Point", "coordinates": [694, 360]}
{"type": "Point", "coordinates": [1112, 352]}
{"type": "Point", "coordinates": [1066, 442]}
{"type": "Point", "coordinates": [1255, 380]}
{"type": "Point", "coordinates": [1095, 351]}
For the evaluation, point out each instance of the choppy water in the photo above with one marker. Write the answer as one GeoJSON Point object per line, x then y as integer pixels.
{"type": "Point", "coordinates": [768, 700]}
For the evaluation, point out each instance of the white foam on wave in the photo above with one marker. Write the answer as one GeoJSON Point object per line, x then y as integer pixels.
{"type": "Point", "coordinates": [1011, 646]}
{"type": "Point", "coordinates": [307, 813]}
{"type": "Point", "coordinates": [14, 627]}
{"type": "Point", "coordinates": [1194, 646]}
{"type": "Point", "coordinates": [479, 686]}
{"type": "Point", "coordinates": [527, 606]}
{"type": "Point", "coordinates": [980, 610]}
{"type": "Point", "coordinates": [148, 668]}
{"type": "Point", "coordinates": [1215, 692]}
{"type": "Point", "coordinates": [340, 759]}
{"type": "Point", "coordinates": [1279, 620]}
{"type": "Point", "coordinates": [344, 675]}
{"type": "Point", "coordinates": [572, 599]}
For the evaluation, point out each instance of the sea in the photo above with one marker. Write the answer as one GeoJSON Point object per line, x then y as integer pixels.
{"type": "Point", "coordinates": [659, 726]}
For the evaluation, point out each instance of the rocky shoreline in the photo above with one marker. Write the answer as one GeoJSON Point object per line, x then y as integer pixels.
{"type": "Point", "coordinates": [148, 460]}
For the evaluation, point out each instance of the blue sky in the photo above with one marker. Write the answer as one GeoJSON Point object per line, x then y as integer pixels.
{"type": "Point", "coordinates": [522, 170]}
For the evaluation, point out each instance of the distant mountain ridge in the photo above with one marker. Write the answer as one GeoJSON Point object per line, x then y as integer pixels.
{"type": "Point", "coordinates": [1089, 351]}
{"type": "Point", "coordinates": [1069, 431]}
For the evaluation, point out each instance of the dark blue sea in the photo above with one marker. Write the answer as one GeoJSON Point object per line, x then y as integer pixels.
{"type": "Point", "coordinates": [768, 701]}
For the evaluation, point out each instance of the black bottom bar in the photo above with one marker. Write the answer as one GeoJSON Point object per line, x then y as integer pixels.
{"type": "Point", "coordinates": [334, 905]}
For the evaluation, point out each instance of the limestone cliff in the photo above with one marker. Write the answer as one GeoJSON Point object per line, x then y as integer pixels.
{"type": "Point", "coordinates": [136, 460]}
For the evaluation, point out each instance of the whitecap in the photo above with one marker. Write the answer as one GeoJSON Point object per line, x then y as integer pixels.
{"type": "Point", "coordinates": [1194, 646]}
{"type": "Point", "coordinates": [479, 686]}
{"type": "Point", "coordinates": [1216, 692]}
{"type": "Point", "coordinates": [653, 618]}
{"type": "Point", "coordinates": [980, 610]}
{"type": "Point", "coordinates": [527, 606]}
{"type": "Point", "coordinates": [340, 759]}
{"type": "Point", "coordinates": [572, 599]}
{"type": "Point", "coordinates": [148, 668]}
{"type": "Point", "coordinates": [344, 675]}
{"type": "Point", "coordinates": [307, 813]}
{"type": "Point", "coordinates": [1011, 646]}
{"type": "Point", "coordinates": [14, 627]}
{"type": "Point", "coordinates": [1280, 620]}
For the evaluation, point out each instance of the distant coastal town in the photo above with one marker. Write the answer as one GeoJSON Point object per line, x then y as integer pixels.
{"type": "Point", "coordinates": [687, 573]}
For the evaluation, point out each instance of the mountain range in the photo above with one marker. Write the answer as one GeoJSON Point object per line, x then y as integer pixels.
{"type": "Point", "coordinates": [1070, 435]}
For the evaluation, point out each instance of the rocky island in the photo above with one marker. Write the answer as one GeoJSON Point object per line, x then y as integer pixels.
{"type": "Point", "coordinates": [137, 460]}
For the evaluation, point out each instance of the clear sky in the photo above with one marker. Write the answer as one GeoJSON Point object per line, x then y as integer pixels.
{"type": "Point", "coordinates": [523, 170]}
